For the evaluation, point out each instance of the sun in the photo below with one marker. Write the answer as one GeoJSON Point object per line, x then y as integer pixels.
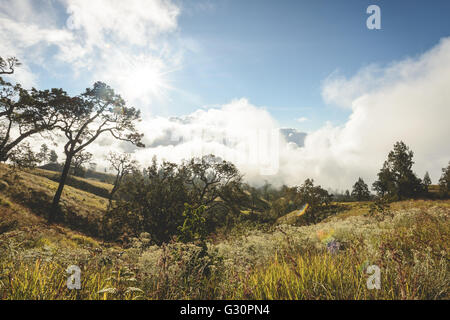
{"type": "Point", "coordinates": [146, 80]}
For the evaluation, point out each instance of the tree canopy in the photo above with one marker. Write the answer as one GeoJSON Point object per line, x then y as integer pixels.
{"type": "Point", "coordinates": [24, 113]}
{"type": "Point", "coordinates": [396, 178]}
{"type": "Point", "coordinates": [360, 190]}
{"type": "Point", "coordinates": [99, 110]}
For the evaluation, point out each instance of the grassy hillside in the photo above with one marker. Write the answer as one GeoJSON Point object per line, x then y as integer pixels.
{"type": "Point", "coordinates": [96, 187]}
{"type": "Point", "coordinates": [410, 245]}
{"type": "Point", "coordinates": [82, 210]}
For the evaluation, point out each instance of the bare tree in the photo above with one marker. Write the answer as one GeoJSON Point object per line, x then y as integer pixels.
{"type": "Point", "coordinates": [79, 160]}
{"type": "Point", "coordinates": [122, 164]}
{"type": "Point", "coordinates": [98, 110]}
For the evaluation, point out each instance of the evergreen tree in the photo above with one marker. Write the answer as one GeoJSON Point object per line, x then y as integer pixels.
{"type": "Point", "coordinates": [53, 157]}
{"type": "Point", "coordinates": [426, 181]}
{"type": "Point", "coordinates": [43, 154]}
{"type": "Point", "coordinates": [444, 181]}
{"type": "Point", "coordinates": [396, 179]}
{"type": "Point", "coordinates": [348, 197]}
{"type": "Point", "coordinates": [360, 190]}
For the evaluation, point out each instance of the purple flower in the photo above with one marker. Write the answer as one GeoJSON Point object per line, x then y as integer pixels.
{"type": "Point", "coordinates": [333, 246]}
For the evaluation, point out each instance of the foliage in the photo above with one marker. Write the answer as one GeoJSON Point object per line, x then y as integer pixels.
{"type": "Point", "coordinates": [396, 179]}
{"type": "Point", "coordinates": [287, 262]}
{"type": "Point", "coordinates": [380, 209]}
{"type": "Point", "coordinates": [97, 111]}
{"type": "Point", "coordinates": [153, 201]}
{"type": "Point", "coordinates": [444, 181]}
{"type": "Point", "coordinates": [53, 157]}
{"type": "Point", "coordinates": [194, 225]}
{"type": "Point", "coordinates": [24, 157]}
{"type": "Point", "coordinates": [79, 161]}
{"type": "Point", "coordinates": [360, 190]}
{"type": "Point", "coordinates": [123, 165]}
{"type": "Point", "coordinates": [43, 154]}
{"type": "Point", "coordinates": [318, 199]}
{"type": "Point", "coordinates": [24, 113]}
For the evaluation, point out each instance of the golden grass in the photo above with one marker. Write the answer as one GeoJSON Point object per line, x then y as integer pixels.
{"type": "Point", "coordinates": [411, 248]}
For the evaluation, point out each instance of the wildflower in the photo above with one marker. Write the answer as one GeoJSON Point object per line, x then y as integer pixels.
{"type": "Point", "coordinates": [333, 246]}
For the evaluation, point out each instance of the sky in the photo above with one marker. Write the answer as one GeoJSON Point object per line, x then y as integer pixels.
{"type": "Point", "coordinates": [222, 76]}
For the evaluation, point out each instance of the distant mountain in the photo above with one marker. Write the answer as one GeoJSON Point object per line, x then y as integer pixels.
{"type": "Point", "coordinates": [293, 135]}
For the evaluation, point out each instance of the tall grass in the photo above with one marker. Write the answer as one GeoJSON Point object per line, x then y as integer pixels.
{"type": "Point", "coordinates": [411, 249]}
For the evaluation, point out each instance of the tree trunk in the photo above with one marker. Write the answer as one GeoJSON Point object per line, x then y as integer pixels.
{"type": "Point", "coordinates": [62, 181]}
{"type": "Point", "coordinates": [3, 156]}
{"type": "Point", "coordinates": [113, 191]}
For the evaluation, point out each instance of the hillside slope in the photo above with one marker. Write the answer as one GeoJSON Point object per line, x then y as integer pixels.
{"type": "Point", "coordinates": [327, 260]}
{"type": "Point", "coordinates": [82, 210]}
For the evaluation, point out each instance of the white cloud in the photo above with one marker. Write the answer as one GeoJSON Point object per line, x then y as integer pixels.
{"type": "Point", "coordinates": [123, 43]}
{"type": "Point", "coordinates": [302, 119]}
{"type": "Point", "coordinates": [408, 100]}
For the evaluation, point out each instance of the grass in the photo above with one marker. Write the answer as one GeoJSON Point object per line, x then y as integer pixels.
{"type": "Point", "coordinates": [98, 188]}
{"type": "Point", "coordinates": [411, 248]}
{"type": "Point", "coordinates": [81, 210]}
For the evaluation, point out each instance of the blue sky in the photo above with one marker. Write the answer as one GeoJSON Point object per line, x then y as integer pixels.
{"type": "Point", "coordinates": [238, 67]}
{"type": "Point", "coordinates": [276, 53]}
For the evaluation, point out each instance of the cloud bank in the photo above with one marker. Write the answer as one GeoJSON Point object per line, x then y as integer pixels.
{"type": "Point", "coordinates": [407, 100]}
{"type": "Point", "coordinates": [126, 44]}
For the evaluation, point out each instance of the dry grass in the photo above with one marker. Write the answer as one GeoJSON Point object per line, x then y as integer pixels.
{"type": "Point", "coordinates": [411, 248]}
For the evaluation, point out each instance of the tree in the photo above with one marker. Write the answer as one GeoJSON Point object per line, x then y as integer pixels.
{"type": "Point", "coordinates": [396, 179]}
{"type": "Point", "coordinates": [43, 154]}
{"type": "Point", "coordinates": [7, 65]}
{"type": "Point", "coordinates": [150, 201]}
{"type": "Point", "coordinates": [97, 111]}
{"type": "Point", "coordinates": [153, 201]}
{"type": "Point", "coordinates": [79, 160]}
{"type": "Point", "coordinates": [426, 181]}
{"type": "Point", "coordinates": [444, 181]}
{"type": "Point", "coordinates": [216, 184]}
{"type": "Point", "coordinates": [317, 198]}
{"type": "Point", "coordinates": [211, 178]}
{"type": "Point", "coordinates": [194, 225]}
{"type": "Point", "coordinates": [348, 197]}
{"type": "Point", "coordinates": [25, 113]}
{"type": "Point", "coordinates": [123, 165]}
{"type": "Point", "coordinates": [53, 157]}
{"type": "Point", "coordinates": [24, 157]}
{"type": "Point", "coordinates": [360, 190]}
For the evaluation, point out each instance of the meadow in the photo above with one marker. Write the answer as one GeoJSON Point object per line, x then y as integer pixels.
{"type": "Point", "coordinates": [409, 242]}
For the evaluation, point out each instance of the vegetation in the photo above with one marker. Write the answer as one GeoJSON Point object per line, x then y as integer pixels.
{"type": "Point", "coordinates": [396, 179]}
{"type": "Point", "coordinates": [83, 119]}
{"type": "Point", "coordinates": [360, 190]}
{"type": "Point", "coordinates": [123, 165]}
{"type": "Point", "coordinates": [196, 230]}
{"type": "Point", "coordinates": [285, 262]}
{"type": "Point", "coordinates": [444, 181]}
